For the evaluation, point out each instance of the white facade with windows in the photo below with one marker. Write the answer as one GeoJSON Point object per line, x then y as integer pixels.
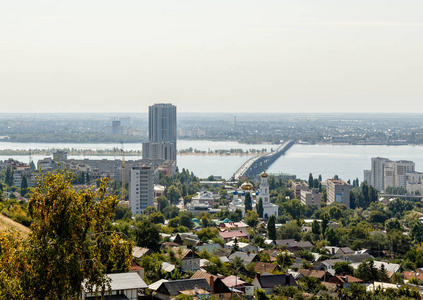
{"type": "Point", "coordinates": [268, 208]}
{"type": "Point", "coordinates": [141, 193]}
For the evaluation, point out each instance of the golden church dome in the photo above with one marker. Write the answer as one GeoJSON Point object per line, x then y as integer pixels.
{"type": "Point", "coordinates": [246, 186]}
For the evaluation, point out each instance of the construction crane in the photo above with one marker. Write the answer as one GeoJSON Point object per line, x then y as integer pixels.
{"type": "Point", "coordinates": [123, 171]}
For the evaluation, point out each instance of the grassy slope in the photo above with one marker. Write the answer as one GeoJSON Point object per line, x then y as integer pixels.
{"type": "Point", "coordinates": [6, 223]}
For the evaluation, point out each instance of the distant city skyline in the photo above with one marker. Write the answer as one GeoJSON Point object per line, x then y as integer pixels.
{"type": "Point", "coordinates": [211, 56]}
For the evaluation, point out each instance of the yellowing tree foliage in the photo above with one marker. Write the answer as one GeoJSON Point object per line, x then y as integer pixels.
{"type": "Point", "coordinates": [69, 243]}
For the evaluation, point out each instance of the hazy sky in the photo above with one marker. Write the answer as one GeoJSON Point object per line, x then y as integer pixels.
{"type": "Point", "coordinates": [211, 56]}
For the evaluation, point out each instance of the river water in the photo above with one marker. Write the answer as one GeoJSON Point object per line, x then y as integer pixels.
{"type": "Point", "coordinates": [346, 161]}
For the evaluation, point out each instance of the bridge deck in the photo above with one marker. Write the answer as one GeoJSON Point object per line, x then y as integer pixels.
{"type": "Point", "coordinates": [256, 164]}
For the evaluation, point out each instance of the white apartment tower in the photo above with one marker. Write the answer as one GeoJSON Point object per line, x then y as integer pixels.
{"type": "Point", "coordinates": [395, 172]}
{"type": "Point", "coordinates": [141, 189]}
{"type": "Point", "coordinates": [377, 176]}
{"type": "Point", "coordinates": [386, 173]}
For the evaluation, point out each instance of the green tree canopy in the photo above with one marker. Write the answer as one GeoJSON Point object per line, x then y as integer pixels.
{"type": "Point", "coordinates": [259, 208]}
{"type": "Point", "coordinates": [162, 203]}
{"type": "Point", "coordinates": [173, 194]}
{"type": "Point", "coordinates": [248, 202]}
{"type": "Point", "coordinates": [147, 235]}
{"type": "Point", "coordinates": [24, 186]}
{"type": "Point", "coordinates": [271, 229]}
{"type": "Point", "coordinates": [9, 176]}
{"type": "Point", "coordinates": [284, 259]}
{"type": "Point", "coordinates": [251, 218]}
{"type": "Point", "coordinates": [69, 243]}
{"type": "Point", "coordinates": [343, 268]}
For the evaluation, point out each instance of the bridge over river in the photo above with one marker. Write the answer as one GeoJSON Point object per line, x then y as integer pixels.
{"type": "Point", "coordinates": [255, 165]}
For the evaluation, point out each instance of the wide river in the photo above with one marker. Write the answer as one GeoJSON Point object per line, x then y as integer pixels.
{"type": "Point", "coordinates": [346, 161]}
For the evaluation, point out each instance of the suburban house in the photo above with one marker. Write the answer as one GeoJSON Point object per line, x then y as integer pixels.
{"type": "Point", "coordinates": [121, 285]}
{"type": "Point", "coordinates": [344, 281]}
{"type": "Point", "coordinates": [268, 282]}
{"type": "Point", "coordinates": [245, 256]}
{"type": "Point", "coordinates": [284, 243]}
{"type": "Point", "coordinates": [190, 287]}
{"type": "Point", "coordinates": [339, 251]}
{"type": "Point", "coordinates": [389, 267]}
{"type": "Point", "coordinates": [209, 247]}
{"type": "Point", "coordinates": [139, 252]}
{"type": "Point", "coordinates": [244, 247]}
{"type": "Point", "coordinates": [272, 254]}
{"type": "Point", "coordinates": [234, 282]}
{"type": "Point", "coordinates": [328, 264]}
{"type": "Point", "coordinates": [410, 274]}
{"type": "Point", "coordinates": [189, 259]}
{"type": "Point", "coordinates": [205, 197]}
{"type": "Point", "coordinates": [306, 245]}
{"type": "Point", "coordinates": [231, 226]}
{"type": "Point", "coordinates": [220, 290]}
{"type": "Point", "coordinates": [263, 267]}
{"type": "Point", "coordinates": [322, 275]}
{"type": "Point", "coordinates": [357, 258]}
{"type": "Point", "coordinates": [292, 245]}
{"type": "Point", "coordinates": [134, 267]}
{"type": "Point", "coordinates": [229, 235]}
{"type": "Point", "coordinates": [155, 285]}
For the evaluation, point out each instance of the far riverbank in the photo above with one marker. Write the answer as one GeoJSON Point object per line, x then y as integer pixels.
{"type": "Point", "coordinates": [117, 153]}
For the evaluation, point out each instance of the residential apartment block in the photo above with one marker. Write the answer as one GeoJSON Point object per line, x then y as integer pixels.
{"type": "Point", "coordinates": [312, 197]}
{"type": "Point", "coordinates": [386, 173]}
{"type": "Point", "coordinates": [338, 191]}
{"type": "Point", "coordinates": [141, 192]}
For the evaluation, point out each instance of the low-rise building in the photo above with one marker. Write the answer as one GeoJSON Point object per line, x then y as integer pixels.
{"type": "Point", "coordinates": [121, 284]}
{"type": "Point", "coordinates": [220, 290]}
{"type": "Point", "coordinates": [269, 282]}
{"type": "Point", "coordinates": [345, 281]}
{"type": "Point", "coordinates": [244, 247]}
{"type": "Point", "coordinates": [189, 259]}
{"type": "Point", "coordinates": [246, 257]}
{"type": "Point", "coordinates": [205, 197]}
{"type": "Point", "coordinates": [227, 236]}
{"type": "Point", "coordinates": [191, 287]}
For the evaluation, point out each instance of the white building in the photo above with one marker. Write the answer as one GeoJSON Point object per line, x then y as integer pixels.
{"type": "Point", "coordinates": [239, 197]}
{"type": "Point", "coordinates": [264, 193]}
{"type": "Point", "coordinates": [414, 182]}
{"type": "Point", "coordinates": [396, 172]}
{"type": "Point", "coordinates": [268, 208]}
{"type": "Point", "coordinates": [141, 193]}
{"type": "Point", "coordinates": [377, 173]}
{"type": "Point", "coordinates": [205, 197]}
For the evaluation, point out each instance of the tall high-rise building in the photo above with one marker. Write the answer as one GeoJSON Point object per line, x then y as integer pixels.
{"type": "Point", "coordinates": [116, 127]}
{"type": "Point", "coordinates": [162, 130]}
{"type": "Point", "coordinates": [377, 173]}
{"type": "Point", "coordinates": [162, 123]}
